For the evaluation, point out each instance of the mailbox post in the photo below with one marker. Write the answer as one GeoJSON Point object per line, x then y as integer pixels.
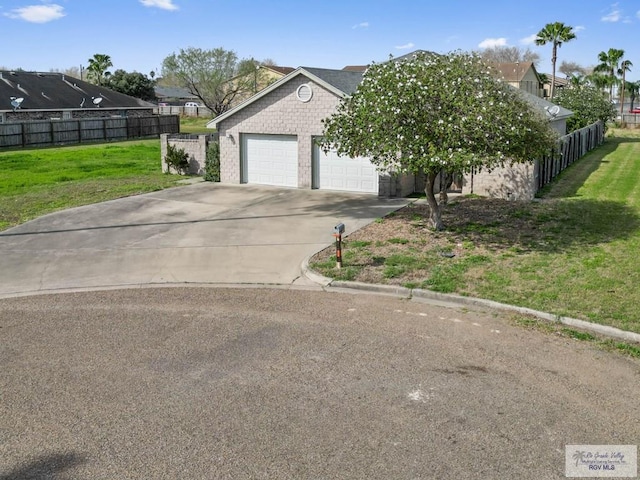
{"type": "Point", "coordinates": [338, 230]}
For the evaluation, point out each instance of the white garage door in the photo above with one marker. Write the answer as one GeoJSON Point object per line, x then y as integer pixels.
{"type": "Point", "coordinates": [270, 160]}
{"type": "Point", "coordinates": [344, 173]}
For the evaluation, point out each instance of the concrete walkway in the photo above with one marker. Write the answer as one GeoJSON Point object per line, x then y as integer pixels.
{"type": "Point", "coordinates": [202, 233]}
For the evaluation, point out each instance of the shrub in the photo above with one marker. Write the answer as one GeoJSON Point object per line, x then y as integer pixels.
{"type": "Point", "coordinates": [588, 104]}
{"type": "Point", "coordinates": [212, 163]}
{"type": "Point", "coordinates": [176, 159]}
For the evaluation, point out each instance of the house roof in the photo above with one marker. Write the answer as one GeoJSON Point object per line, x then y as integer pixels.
{"type": "Point", "coordinates": [340, 82]}
{"type": "Point", "coordinates": [54, 91]}
{"type": "Point", "coordinates": [282, 70]}
{"type": "Point", "coordinates": [514, 72]}
{"type": "Point", "coordinates": [345, 82]}
{"type": "Point", "coordinates": [173, 92]}
{"type": "Point", "coordinates": [356, 68]}
{"type": "Point", "coordinates": [546, 106]}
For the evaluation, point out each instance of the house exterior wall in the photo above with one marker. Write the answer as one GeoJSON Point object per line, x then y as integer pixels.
{"type": "Point", "coordinates": [510, 183]}
{"type": "Point", "coordinates": [281, 113]}
{"type": "Point", "coordinates": [278, 113]}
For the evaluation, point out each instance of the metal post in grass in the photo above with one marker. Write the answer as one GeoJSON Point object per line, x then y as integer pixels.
{"type": "Point", "coordinates": [338, 230]}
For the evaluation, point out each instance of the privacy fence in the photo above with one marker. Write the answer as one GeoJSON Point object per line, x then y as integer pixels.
{"type": "Point", "coordinates": [570, 148]}
{"type": "Point", "coordinates": [63, 132]}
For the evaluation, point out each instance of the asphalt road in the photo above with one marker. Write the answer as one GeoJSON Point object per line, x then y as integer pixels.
{"type": "Point", "coordinates": [203, 383]}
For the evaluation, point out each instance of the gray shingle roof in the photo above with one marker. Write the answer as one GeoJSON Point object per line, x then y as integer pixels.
{"type": "Point", "coordinates": [46, 91]}
{"type": "Point", "coordinates": [344, 80]}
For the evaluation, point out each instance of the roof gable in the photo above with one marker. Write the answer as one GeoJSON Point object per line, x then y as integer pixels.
{"type": "Point", "coordinates": [49, 91]}
{"type": "Point", "coordinates": [341, 83]}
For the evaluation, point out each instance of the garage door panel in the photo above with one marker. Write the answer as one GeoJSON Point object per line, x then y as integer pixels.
{"type": "Point", "coordinates": [347, 174]}
{"type": "Point", "coordinates": [271, 159]}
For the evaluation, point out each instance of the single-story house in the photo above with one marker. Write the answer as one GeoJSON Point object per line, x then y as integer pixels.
{"type": "Point", "coordinates": [44, 96]}
{"type": "Point", "coordinates": [271, 138]}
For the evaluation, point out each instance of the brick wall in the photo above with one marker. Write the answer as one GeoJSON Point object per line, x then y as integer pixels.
{"type": "Point", "coordinates": [510, 183]}
{"type": "Point", "coordinates": [194, 146]}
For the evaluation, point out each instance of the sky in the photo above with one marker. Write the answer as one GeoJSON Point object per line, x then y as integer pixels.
{"type": "Point", "coordinates": [138, 35]}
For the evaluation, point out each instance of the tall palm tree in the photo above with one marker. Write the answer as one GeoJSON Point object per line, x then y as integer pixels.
{"type": "Point", "coordinates": [97, 69]}
{"type": "Point", "coordinates": [556, 34]}
{"type": "Point", "coordinates": [609, 65]}
{"type": "Point", "coordinates": [634, 90]}
{"type": "Point", "coordinates": [625, 66]}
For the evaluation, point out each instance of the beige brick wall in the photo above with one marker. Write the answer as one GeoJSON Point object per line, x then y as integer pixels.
{"type": "Point", "coordinates": [509, 183]}
{"type": "Point", "coordinates": [279, 113]}
{"type": "Point", "coordinates": [196, 148]}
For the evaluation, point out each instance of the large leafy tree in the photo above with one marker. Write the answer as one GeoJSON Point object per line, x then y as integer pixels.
{"type": "Point", "coordinates": [556, 34]}
{"type": "Point", "coordinates": [217, 77]}
{"type": "Point", "coordinates": [588, 104]}
{"type": "Point", "coordinates": [134, 84]}
{"type": "Point", "coordinates": [97, 70]}
{"type": "Point", "coordinates": [609, 66]}
{"type": "Point", "coordinates": [436, 113]}
{"type": "Point", "coordinates": [508, 54]}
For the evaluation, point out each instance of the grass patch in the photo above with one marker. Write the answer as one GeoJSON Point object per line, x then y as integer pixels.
{"type": "Point", "coordinates": [39, 181]}
{"type": "Point", "coordinates": [574, 252]}
{"type": "Point", "coordinates": [195, 125]}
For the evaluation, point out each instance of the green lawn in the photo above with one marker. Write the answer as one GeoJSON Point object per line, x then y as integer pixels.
{"type": "Point", "coordinates": [590, 267]}
{"type": "Point", "coordinates": [39, 181]}
{"type": "Point", "coordinates": [575, 252]}
{"type": "Point", "coordinates": [195, 125]}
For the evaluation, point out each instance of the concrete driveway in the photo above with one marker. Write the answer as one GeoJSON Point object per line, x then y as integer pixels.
{"type": "Point", "coordinates": [201, 233]}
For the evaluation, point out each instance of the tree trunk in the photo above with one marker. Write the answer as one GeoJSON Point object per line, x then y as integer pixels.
{"type": "Point", "coordinates": [554, 58]}
{"type": "Point", "coordinates": [435, 217]}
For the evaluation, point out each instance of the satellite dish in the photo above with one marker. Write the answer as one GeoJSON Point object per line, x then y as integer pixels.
{"type": "Point", "coordinates": [553, 110]}
{"type": "Point", "coordinates": [96, 101]}
{"type": "Point", "coordinates": [16, 102]}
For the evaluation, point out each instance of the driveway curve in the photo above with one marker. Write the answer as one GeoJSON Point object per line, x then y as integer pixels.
{"type": "Point", "coordinates": [201, 233]}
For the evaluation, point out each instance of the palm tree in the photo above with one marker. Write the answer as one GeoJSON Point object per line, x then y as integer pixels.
{"type": "Point", "coordinates": [634, 90]}
{"type": "Point", "coordinates": [555, 33]}
{"type": "Point", "coordinates": [610, 65]}
{"type": "Point", "coordinates": [625, 67]}
{"type": "Point", "coordinates": [97, 69]}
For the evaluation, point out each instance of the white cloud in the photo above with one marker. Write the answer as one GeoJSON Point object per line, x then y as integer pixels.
{"type": "Point", "coordinates": [37, 13]}
{"type": "Point", "coordinates": [493, 42]}
{"type": "Point", "coordinates": [579, 28]}
{"type": "Point", "coordinates": [613, 16]}
{"type": "Point", "coordinates": [163, 4]}
{"type": "Point", "coordinates": [361, 25]}
{"type": "Point", "coordinates": [530, 40]}
{"type": "Point", "coordinates": [405, 46]}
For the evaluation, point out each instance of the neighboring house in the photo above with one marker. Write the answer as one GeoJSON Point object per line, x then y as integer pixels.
{"type": "Point", "coordinates": [174, 95]}
{"type": "Point", "coordinates": [44, 96]}
{"type": "Point", "coordinates": [518, 182]}
{"type": "Point", "coordinates": [521, 75]}
{"type": "Point", "coordinates": [271, 138]}
{"type": "Point", "coordinates": [561, 82]}
{"type": "Point", "coordinates": [261, 78]}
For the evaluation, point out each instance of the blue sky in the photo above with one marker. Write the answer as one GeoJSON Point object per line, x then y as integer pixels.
{"type": "Point", "coordinates": [139, 34]}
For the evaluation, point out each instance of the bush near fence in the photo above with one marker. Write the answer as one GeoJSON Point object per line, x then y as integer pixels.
{"type": "Point", "coordinates": [72, 131]}
{"type": "Point", "coordinates": [196, 147]}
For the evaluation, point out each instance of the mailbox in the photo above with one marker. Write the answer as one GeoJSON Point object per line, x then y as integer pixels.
{"type": "Point", "coordinates": [339, 229]}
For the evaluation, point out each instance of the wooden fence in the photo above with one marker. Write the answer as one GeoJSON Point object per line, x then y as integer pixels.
{"type": "Point", "coordinates": [80, 130]}
{"type": "Point", "coordinates": [570, 148]}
